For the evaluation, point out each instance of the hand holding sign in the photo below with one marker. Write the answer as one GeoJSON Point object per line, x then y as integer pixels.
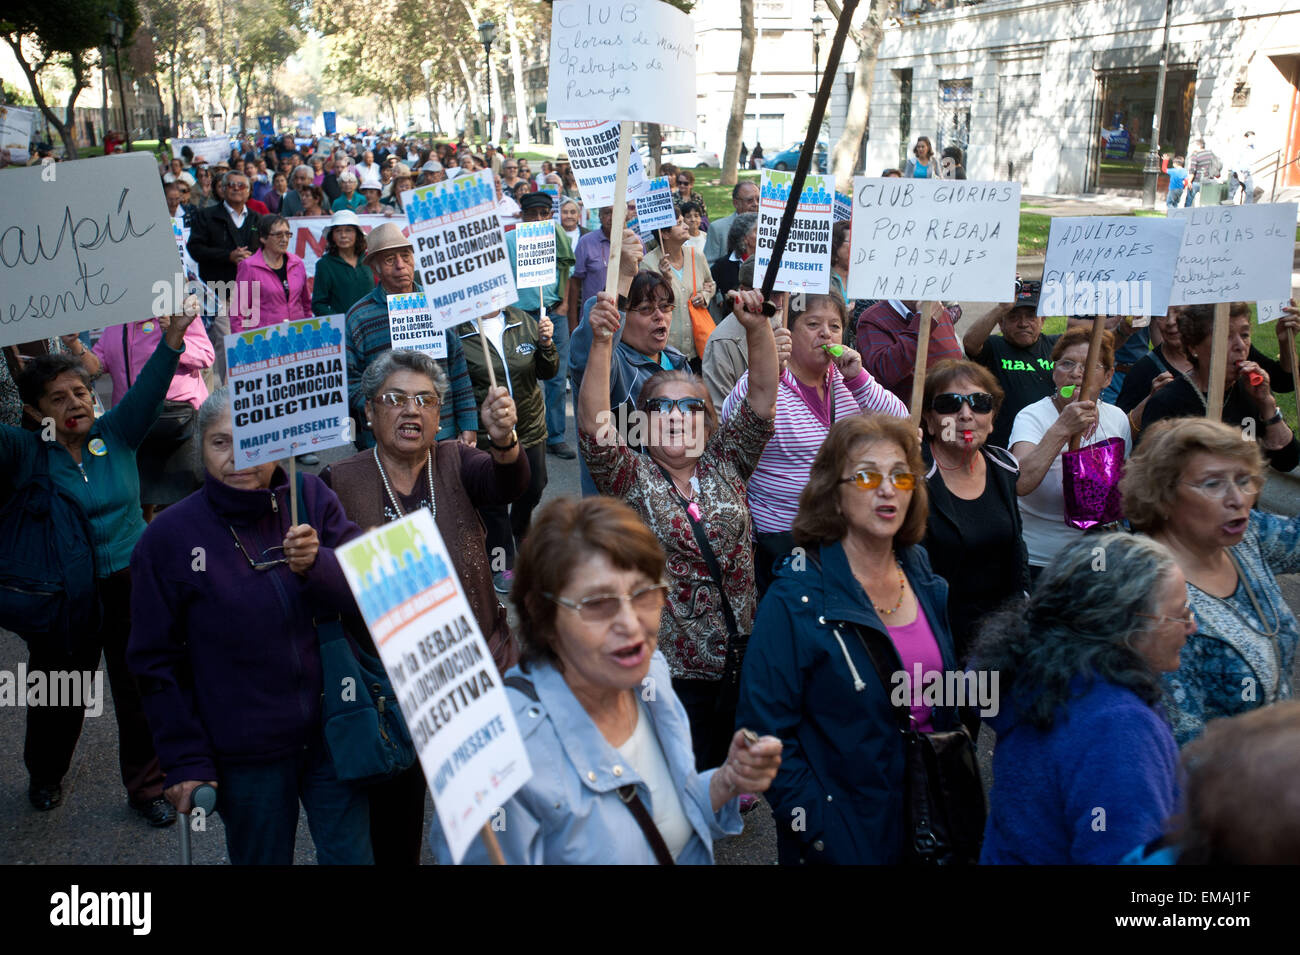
{"type": "Point", "coordinates": [545, 331]}
{"type": "Point", "coordinates": [604, 319]}
{"type": "Point", "coordinates": [301, 545]}
{"type": "Point", "coordinates": [178, 325]}
{"type": "Point", "coordinates": [499, 417]}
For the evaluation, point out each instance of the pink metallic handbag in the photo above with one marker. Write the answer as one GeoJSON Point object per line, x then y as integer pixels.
{"type": "Point", "coordinates": [1090, 480]}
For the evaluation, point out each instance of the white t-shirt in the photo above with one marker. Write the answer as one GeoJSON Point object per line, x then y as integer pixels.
{"type": "Point", "coordinates": [644, 754]}
{"type": "Point", "coordinates": [1042, 512]}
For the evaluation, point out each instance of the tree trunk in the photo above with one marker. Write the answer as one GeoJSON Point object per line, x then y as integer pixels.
{"type": "Point", "coordinates": [67, 129]}
{"type": "Point", "coordinates": [471, 88]}
{"type": "Point", "coordinates": [522, 133]}
{"type": "Point", "coordinates": [740, 95]}
{"type": "Point", "coordinates": [844, 157]}
{"type": "Point", "coordinates": [655, 144]}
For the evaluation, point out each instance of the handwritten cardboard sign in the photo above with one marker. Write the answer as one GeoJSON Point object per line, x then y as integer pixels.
{"type": "Point", "coordinates": [288, 389]}
{"type": "Point", "coordinates": [447, 686]}
{"type": "Point", "coordinates": [1110, 265]}
{"type": "Point", "coordinates": [592, 148]}
{"type": "Point", "coordinates": [806, 262]}
{"type": "Point", "coordinates": [628, 60]}
{"type": "Point", "coordinates": [84, 244]}
{"type": "Point", "coordinates": [932, 239]}
{"type": "Point", "coordinates": [213, 149]}
{"type": "Point", "coordinates": [16, 132]}
{"type": "Point", "coordinates": [1235, 253]}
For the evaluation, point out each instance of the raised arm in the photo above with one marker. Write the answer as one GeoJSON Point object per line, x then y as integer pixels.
{"type": "Point", "coordinates": [594, 415]}
{"type": "Point", "coordinates": [979, 332]}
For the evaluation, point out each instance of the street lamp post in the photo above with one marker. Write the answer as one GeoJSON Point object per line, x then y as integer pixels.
{"type": "Point", "coordinates": [1151, 171]}
{"type": "Point", "coordinates": [487, 31]}
{"type": "Point", "coordinates": [116, 33]}
{"type": "Point", "coordinates": [207, 88]}
{"type": "Point", "coordinates": [818, 31]}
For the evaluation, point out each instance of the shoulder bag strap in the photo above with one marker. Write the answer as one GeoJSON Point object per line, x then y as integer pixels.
{"type": "Point", "coordinates": [523, 686]}
{"type": "Point", "coordinates": [126, 352]}
{"type": "Point", "coordinates": [648, 828]}
{"type": "Point", "coordinates": [710, 559]}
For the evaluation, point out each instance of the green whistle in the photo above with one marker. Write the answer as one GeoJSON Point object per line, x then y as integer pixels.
{"type": "Point", "coordinates": [1067, 391]}
{"type": "Point", "coordinates": [835, 350]}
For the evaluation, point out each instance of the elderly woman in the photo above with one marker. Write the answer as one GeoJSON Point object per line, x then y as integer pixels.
{"type": "Point", "coordinates": [841, 233]}
{"type": "Point", "coordinates": [741, 239]}
{"type": "Point", "coordinates": [1154, 370]}
{"type": "Point", "coordinates": [523, 355]}
{"type": "Point", "coordinates": [371, 192]}
{"type": "Point", "coordinates": [313, 201]}
{"type": "Point", "coordinates": [690, 490]}
{"type": "Point", "coordinates": [1192, 486]}
{"type": "Point", "coordinates": [687, 271]}
{"type": "Point", "coordinates": [1043, 430]}
{"type": "Point", "coordinates": [348, 198]}
{"type": "Point", "coordinates": [614, 780]}
{"type": "Point", "coordinates": [342, 278]}
{"type": "Point", "coordinates": [94, 462]}
{"type": "Point", "coordinates": [973, 534]}
{"type": "Point", "coordinates": [280, 276]}
{"type": "Point", "coordinates": [401, 182]}
{"type": "Point", "coordinates": [230, 656]}
{"type": "Point", "coordinates": [1085, 766]}
{"type": "Point", "coordinates": [406, 470]}
{"type": "Point", "coordinates": [817, 389]}
{"type": "Point", "coordinates": [861, 579]}
{"type": "Point", "coordinates": [1248, 400]}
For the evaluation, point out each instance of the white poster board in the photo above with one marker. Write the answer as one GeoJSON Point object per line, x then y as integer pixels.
{"type": "Point", "coordinates": [16, 132]}
{"type": "Point", "coordinates": [592, 148]}
{"type": "Point", "coordinates": [654, 207]}
{"type": "Point", "coordinates": [85, 244]}
{"type": "Point", "coordinates": [931, 239]}
{"type": "Point", "coordinates": [631, 60]}
{"type": "Point", "coordinates": [288, 390]}
{"type": "Point", "coordinates": [411, 325]}
{"type": "Point", "coordinates": [460, 250]}
{"type": "Point", "coordinates": [1235, 253]}
{"type": "Point", "coordinates": [442, 671]}
{"type": "Point", "coordinates": [535, 254]}
{"type": "Point", "coordinates": [806, 261]}
{"type": "Point", "coordinates": [1110, 265]}
{"type": "Point", "coordinates": [213, 149]}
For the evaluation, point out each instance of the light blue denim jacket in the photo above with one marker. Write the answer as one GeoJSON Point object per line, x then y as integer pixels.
{"type": "Point", "coordinates": [570, 812]}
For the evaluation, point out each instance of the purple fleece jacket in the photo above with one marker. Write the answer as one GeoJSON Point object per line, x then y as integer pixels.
{"type": "Point", "coordinates": [226, 656]}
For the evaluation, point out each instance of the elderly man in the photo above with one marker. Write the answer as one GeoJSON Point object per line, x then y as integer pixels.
{"type": "Point", "coordinates": [392, 260]}
{"type": "Point", "coordinates": [177, 172]}
{"type": "Point", "coordinates": [431, 172]}
{"type": "Point", "coordinates": [744, 198]}
{"type": "Point", "coordinates": [291, 204]}
{"type": "Point", "coordinates": [590, 257]}
{"type": "Point", "coordinates": [539, 303]}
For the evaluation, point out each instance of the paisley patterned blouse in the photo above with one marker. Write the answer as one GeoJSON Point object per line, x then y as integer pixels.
{"type": "Point", "coordinates": [692, 631]}
{"type": "Point", "coordinates": [1229, 666]}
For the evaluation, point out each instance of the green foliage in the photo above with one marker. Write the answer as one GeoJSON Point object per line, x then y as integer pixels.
{"type": "Point", "coordinates": [67, 27]}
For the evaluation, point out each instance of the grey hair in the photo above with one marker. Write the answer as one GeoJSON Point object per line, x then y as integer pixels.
{"type": "Point", "coordinates": [303, 168]}
{"type": "Point", "coordinates": [227, 176]}
{"type": "Point", "coordinates": [740, 227]}
{"type": "Point", "coordinates": [214, 406]}
{"type": "Point", "coordinates": [403, 359]}
{"type": "Point", "coordinates": [1080, 623]}
{"type": "Point", "coordinates": [569, 201]}
{"type": "Point", "coordinates": [347, 177]}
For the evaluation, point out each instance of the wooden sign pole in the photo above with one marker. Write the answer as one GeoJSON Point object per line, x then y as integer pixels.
{"type": "Point", "coordinates": [926, 310]}
{"type": "Point", "coordinates": [490, 843]}
{"type": "Point", "coordinates": [618, 217]}
{"type": "Point", "coordinates": [1218, 363]}
{"type": "Point", "coordinates": [293, 490]}
{"type": "Point", "coordinates": [487, 355]}
{"type": "Point", "coordinates": [1090, 370]}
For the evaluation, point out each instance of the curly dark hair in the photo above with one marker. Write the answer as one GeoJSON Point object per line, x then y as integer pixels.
{"type": "Point", "coordinates": [42, 370]}
{"type": "Point", "coordinates": [1079, 622]}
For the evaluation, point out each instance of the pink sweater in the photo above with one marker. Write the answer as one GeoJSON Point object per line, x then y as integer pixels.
{"type": "Point", "coordinates": [783, 469]}
{"type": "Point", "coordinates": [141, 339]}
{"type": "Point", "coordinates": [273, 306]}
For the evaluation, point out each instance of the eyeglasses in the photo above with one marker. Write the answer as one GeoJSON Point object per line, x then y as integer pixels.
{"type": "Point", "coordinates": [236, 186]}
{"type": "Point", "coordinates": [683, 182]}
{"type": "Point", "coordinates": [1188, 616]}
{"type": "Point", "coordinates": [684, 405]}
{"type": "Point", "coordinates": [870, 480]}
{"type": "Point", "coordinates": [663, 308]}
{"type": "Point", "coordinates": [602, 607]}
{"type": "Point", "coordinates": [395, 399]}
{"type": "Point", "coordinates": [1247, 484]}
{"type": "Point", "coordinates": [262, 564]}
{"type": "Point", "coordinates": [950, 403]}
{"type": "Point", "coordinates": [1068, 365]}
{"type": "Point", "coordinates": [279, 234]}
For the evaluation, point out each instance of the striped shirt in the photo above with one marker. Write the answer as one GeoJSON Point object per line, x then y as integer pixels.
{"type": "Point", "coordinates": [783, 469]}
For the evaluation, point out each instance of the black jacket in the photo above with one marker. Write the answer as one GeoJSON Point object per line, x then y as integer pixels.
{"type": "Point", "coordinates": [1179, 399]}
{"type": "Point", "coordinates": [213, 236]}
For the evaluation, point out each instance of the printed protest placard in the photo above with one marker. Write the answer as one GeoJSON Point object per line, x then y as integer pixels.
{"type": "Point", "coordinates": [534, 254]}
{"type": "Point", "coordinates": [308, 239]}
{"type": "Point", "coordinates": [843, 207]}
{"type": "Point", "coordinates": [460, 250]}
{"type": "Point", "coordinates": [213, 149]}
{"type": "Point", "coordinates": [412, 325]}
{"type": "Point", "coordinates": [592, 148]}
{"type": "Point", "coordinates": [654, 207]}
{"type": "Point", "coordinates": [1110, 265]}
{"type": "Point", "coordinates": [552, 190]}
{"type": "Point", "coordinates": [288, 390]}
{"type": "Point", "coordinates": [806, 262]}
{"type": "Point", "coordinates": [633, 60]}
{"type": "Point", "coordinates": [1235, 253]}
{"type": "Point", "coordinates": [90, 248]}
{"type": "Point", "coordinates": [931, 239]}
{"type": "Point", "coordinates": [442, 671]}
{"type": "Point", "coordinates": [16, 132]}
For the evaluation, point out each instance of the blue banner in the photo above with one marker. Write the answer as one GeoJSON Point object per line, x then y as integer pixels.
{"type": "Point", "coordinates": [266, 125]}
{"type": "Point", "coordinates": [329, 123]}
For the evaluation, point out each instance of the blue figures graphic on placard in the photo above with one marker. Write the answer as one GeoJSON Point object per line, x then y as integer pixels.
{"type": "Point", "coordinates": [370, 603]}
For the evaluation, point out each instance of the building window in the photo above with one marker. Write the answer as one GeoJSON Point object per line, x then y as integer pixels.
{"type": "Point", "coordinates": [954, 117]}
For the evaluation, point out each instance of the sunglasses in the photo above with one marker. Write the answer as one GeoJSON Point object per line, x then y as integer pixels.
{"type": "Point", "coordinates": [602, 607]}
{"type": "Point", "coordinates": [870, 480]}
{"type": "Point", "coordinates": [950, 403]}
{"type": "Point", "coordinates": [684, 405]}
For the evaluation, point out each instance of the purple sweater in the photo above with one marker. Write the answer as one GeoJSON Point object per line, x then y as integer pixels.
{"type": "Point", "coordinates": [245, 635]}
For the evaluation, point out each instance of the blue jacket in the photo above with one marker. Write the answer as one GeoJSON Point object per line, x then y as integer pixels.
{"type": "Point", "coordinates": [807, 679]}
{"type": "Point", "coordinates": [570, 812]}
{"type": "Point", "coordinates": [1099, 782]}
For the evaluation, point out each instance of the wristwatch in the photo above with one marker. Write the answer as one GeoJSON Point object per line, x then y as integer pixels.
{"type": "Point", "coordinates": [514, 439]}
{"type": "Point", "coordinates": [1277, 416]}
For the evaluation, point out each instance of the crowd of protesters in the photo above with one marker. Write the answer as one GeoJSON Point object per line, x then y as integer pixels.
{"type": "Point", "coordinates": [764, 536]}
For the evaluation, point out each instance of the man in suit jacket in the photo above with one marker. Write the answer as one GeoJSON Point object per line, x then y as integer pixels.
{"type": "Point", "coordinates": [744, 198]}
{"type": "Point", "coordinates": [291, 204]}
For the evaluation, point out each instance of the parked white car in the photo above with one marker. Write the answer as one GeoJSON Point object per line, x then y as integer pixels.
{"type": "Point", "coordinates": [684, 156]}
